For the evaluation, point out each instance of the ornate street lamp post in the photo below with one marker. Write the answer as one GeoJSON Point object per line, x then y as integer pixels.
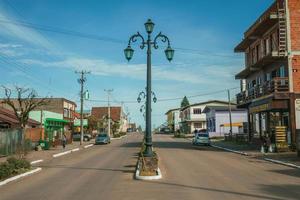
{"type": "Point", "coordinates": [169, 52]}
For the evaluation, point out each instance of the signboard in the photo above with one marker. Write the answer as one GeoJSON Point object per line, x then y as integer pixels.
{"type": "Point", "coordinates": [259, 108]}
{"type": "Point", "coordinates": [281, 136]}
{"type": "Point", "coordinates": [297, 113]}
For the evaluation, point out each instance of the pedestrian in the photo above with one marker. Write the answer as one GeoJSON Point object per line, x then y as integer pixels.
{"type": "Point", "coordinates": [64, 140]}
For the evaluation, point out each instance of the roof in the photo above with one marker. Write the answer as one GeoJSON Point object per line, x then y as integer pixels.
{"type": "Point", "coordinates": [101, 112]}
{"type": "Point", "coordinates": [206, 102]}
{"type": "Point", "coordinates": [171, 110]}
{"type": "Point", "coordinates": [222, 108]}
{"type": "Point", "coordinates": [9, 117]}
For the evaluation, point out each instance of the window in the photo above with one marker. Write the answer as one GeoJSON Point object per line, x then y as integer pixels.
{"type": "Point", "coordinates": [197, 111]}
{"type": "Point", "coordinates": [281, 71]}
{"type": "Point", "coordinates": [198, 125]}
{"type": "Point", "coordinates": [66, 112]}
{"type": "Point", "coordinates": [267, 77]}
{"type": "Point", "coordinates": [274, 74]}
{"type": "Point", "coordinates": [258, 80]}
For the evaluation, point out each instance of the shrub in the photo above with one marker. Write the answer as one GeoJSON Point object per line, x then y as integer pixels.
{"type": "Point", "coordinates": [5, 170]}
{"type": "Point", "coordinates": [13, 166]}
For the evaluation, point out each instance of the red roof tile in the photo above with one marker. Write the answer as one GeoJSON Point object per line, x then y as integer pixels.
{"type": "Point", "coordinates": [101, 112]}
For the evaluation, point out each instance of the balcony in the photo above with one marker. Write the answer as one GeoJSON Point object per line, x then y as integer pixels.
{"type": "Point", "coordinates": [266, 21]}
{"type": "Point", "coordinates": [278, 87]}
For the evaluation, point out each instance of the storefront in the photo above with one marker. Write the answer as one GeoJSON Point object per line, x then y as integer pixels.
{"type": "Point", "coordinates": [270, 118]}
{"type": "Point", "coordinates": [54, 130]}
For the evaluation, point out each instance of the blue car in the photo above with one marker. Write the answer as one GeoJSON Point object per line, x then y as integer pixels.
{"type": "Point", "coordinates": [102, 138]}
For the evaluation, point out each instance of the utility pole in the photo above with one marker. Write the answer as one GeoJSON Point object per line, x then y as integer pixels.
{"type": "Point", "coordinates": [229, 108]}
{"type": "Point", "coordinates": [108, 109]}
{"type": "Point", "coordinates": [81, 81]}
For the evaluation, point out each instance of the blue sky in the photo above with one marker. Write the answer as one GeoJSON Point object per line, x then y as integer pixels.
{"type": "Point", "coordinates": [203, 33]}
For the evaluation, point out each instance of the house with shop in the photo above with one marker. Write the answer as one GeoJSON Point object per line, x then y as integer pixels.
{"type": "Point", "coordinates": [56, 116]}
{"type": "Point", "coordinates": [117, 115]}
{"type": "Point", "coordinates": [173, 119]}
{"type": "Point", "coordinates": [270, 87]}
{"type": "Point", "coordinates": [192, 117]}
{"type": "Point", "coordinates": [218, 120]}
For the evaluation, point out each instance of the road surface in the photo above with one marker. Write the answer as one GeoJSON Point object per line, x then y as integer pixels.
{"type": "Point", "coordinates": [106, 172]}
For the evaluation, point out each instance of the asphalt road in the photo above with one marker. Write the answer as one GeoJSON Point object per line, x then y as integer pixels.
{"type": "Point", "coordinates": [106, 172]}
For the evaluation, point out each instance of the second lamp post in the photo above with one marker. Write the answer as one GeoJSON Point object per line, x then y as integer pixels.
{"type": "Point", "coordinates": [149, 25]}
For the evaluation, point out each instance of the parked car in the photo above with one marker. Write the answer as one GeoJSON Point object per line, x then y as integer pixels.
{"type": "Point", "coordinates": [165, 131]}
{"type": "Point", "coordinates": [102, 138]}
{"type": "Point", "coordinates": [86, 136]}
{"type": "Point", "coordinates": [201, 138]}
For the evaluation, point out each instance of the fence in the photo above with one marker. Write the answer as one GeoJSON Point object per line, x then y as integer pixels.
{"type": "Point", "coordinates": [10, 141]}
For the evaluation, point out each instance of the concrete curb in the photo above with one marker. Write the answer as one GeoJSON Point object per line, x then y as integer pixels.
{"type": "Point", "coordinates": [282, 163]}
{"type": "Point", "coordinates": [118, 137]}
{"type": "Point", "coordinates": [230, 150]}
{"type": "Point", "coordinates": [147, 178]}
{"type": "Point", "coordinates": [20, 176]}
{"type": "Point", "coordinates": [36, 161]}
{"type": "Point", "coordinates": [76, 149]}
{"type": "Point", "coordinates": [87, 146]}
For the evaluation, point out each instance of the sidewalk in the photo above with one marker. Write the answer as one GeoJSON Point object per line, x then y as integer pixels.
{"type": "Point", "coordinates": [254, 151]}
{"type": "Point", "coordinates": [48, 154]}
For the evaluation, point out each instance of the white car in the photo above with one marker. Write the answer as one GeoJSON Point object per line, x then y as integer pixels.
{"type": "Point", "coordinates": [201, 139]}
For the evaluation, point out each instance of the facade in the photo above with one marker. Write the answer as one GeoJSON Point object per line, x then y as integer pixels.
{"type": "Point", "coordinates": [116, 115]}
{"type": "Point", "coordinates": [218, 121]}
{"type": "Point", "coordinates": [270, 87]}
{"type": "Point", "coordinates": [192, 117]}
{"type": "Point", "coordinates": [173, 119]}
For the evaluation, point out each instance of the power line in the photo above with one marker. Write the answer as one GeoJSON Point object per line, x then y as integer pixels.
{"type": "Point", "coordinates": [97, 37]}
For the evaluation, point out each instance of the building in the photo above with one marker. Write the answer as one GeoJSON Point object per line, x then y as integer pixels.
{"type": "Point", "coordinates": [56, 116]}
{"type": "Point", "coordinates": [192, 117]}
{"type": "Point", "coordinates": [116, 114]}
{"type": "Point", "coordinates": [173, 119]}
{"type": "Point", "coordinates": [218, 120]}
{"type": "Point", "coordinates": [8, 120]}
{"type": "Point", "coordinates": [270, 87]}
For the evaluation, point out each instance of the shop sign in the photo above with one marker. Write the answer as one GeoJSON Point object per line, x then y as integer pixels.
{"type": "Point", "coordinates": [297, 113]}
{"type": "Point", "coordinates": [259, 108]}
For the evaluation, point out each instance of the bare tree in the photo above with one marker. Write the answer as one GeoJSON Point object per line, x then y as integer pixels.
{"type": "Point", "coordinates": [25, 101]}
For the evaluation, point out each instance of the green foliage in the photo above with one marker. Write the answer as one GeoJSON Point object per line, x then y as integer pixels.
{"type": "Point", "coordinates": [13, 166]}
{"type": "Point", "coordinates": [185, 102]}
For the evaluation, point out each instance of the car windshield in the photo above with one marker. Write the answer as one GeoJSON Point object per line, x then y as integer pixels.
{"type": "Point", "coordinates": [202, 135]}
{"type": "Point", "coordinates": [102, 135]}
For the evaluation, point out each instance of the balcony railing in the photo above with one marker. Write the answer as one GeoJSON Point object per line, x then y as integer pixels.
{"type": "Point", "coordinates": [276, 86]}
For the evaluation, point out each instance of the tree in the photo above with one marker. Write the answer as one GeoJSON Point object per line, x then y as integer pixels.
{"type": "Point", "coordinates": [26, 100]}
{"type": "Point", "coordinates": [115, 127]}
{"type": "Point", "coordinates": [185, 102]}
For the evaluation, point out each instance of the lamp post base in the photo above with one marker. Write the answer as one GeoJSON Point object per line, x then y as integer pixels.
{"type": "Point", "coordinates": [148, 151]}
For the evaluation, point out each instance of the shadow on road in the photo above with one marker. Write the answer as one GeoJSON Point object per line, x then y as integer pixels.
{"type": "Point", "coordinates": [242, 194]}
{"type": "Point", "coordinates": [171, 145]}
{"type": "Point", "coordinates": [92, 168]}
{"type": "Point", "coordinates": [286, 191]}
{"type": "Point", "coordinates": [289, 172]}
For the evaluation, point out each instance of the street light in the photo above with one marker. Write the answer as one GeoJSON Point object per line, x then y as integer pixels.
{"type": "Point", "coordinates": [169, 52]}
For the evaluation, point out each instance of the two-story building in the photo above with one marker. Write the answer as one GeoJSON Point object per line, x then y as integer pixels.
{"type": "Point", "coordinates": [173, 119]}
{"type": "Point", "coordinates": [270, 85]}
{"type": "Point", "coordinates": [192, 117]}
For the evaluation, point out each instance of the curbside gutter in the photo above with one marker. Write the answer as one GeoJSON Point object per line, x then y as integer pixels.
{"type": "Point", "coordinates": [147, 178]}
{"type": "Point", "coordinates": [20, 176]}
{"type": "Point", "coordinates": [282, 163]}
{"type": "Point", "coordinates": [118, 137]}
{"type": "Point", "coordinates": [230, 150]}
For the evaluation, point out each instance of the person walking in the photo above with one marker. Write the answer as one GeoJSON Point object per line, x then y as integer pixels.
{"type": "Point", "coordinates": [64, 140]}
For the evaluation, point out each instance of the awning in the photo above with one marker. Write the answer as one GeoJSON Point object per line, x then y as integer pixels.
{"type": "Point", "coordinates": [57, 120]}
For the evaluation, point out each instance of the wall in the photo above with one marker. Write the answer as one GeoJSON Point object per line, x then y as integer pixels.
{"type": "Point", "coordinates": [34, 134]}
{"type": "Point", "coordinates": [36, 115]}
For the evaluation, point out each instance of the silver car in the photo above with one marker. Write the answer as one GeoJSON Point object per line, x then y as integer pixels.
{"type": "Point", "coordinates": [201, 139]}
{"type": "Point", "coordinates": [102, 138]}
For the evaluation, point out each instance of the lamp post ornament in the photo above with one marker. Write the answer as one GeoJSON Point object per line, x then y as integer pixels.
{"type": "Point", "coordinates": [169, 52]}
